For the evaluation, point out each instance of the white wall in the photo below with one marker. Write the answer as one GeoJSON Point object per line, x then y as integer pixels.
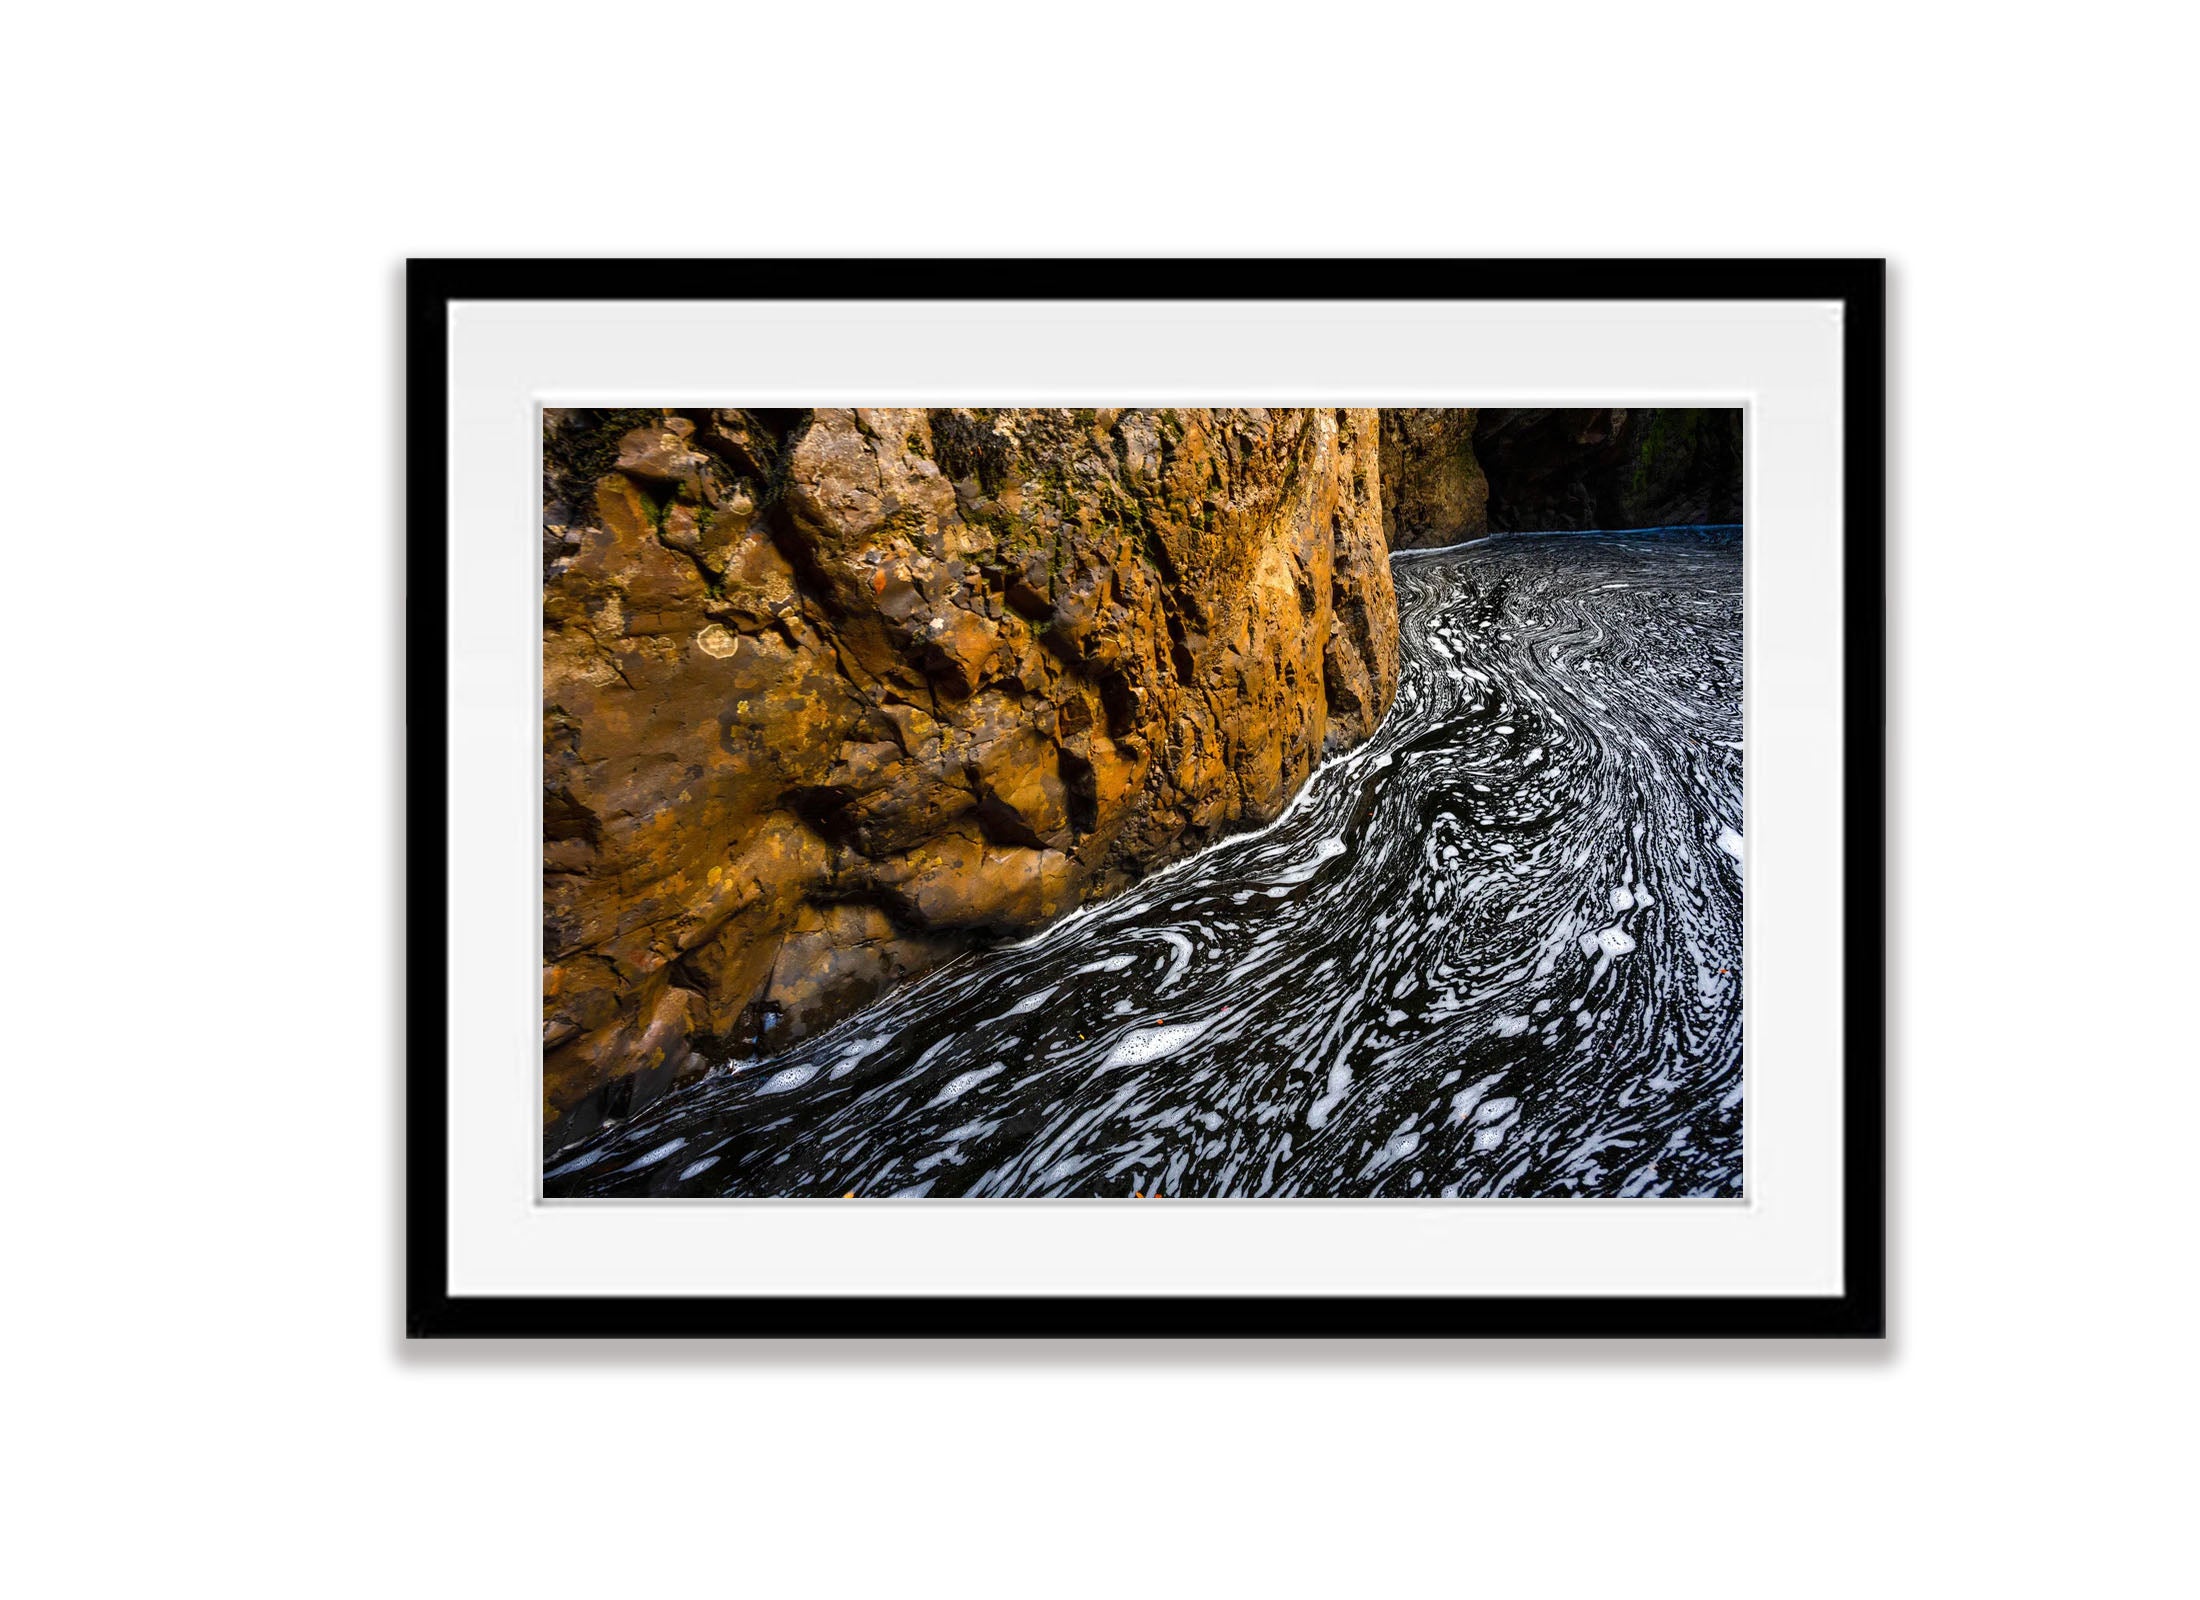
{"type": "Point", "coordinates": [208, 206]}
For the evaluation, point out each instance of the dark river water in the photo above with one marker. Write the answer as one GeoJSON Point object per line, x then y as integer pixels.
{"type": "Point", "coordinates": [1496, 950]}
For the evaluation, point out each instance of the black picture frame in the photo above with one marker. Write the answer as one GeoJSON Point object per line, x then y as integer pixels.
{"type": "Point", "coordinates": [1859, 1311]}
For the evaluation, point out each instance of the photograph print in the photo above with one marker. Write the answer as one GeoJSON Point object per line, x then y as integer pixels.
{"type": "Point", "coordinates": [1143, 803]}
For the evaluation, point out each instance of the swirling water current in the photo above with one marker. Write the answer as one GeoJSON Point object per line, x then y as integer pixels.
{"type": "Point", "coordinates": [1493, 951]}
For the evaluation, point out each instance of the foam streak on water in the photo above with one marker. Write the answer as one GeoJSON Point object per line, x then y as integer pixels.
{"type": "Point", "coordinates": [1494, 951]}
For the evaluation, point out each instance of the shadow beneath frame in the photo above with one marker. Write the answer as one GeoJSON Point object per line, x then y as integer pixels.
{"type": "Point", "coordinates": [1133, 1352]}
{"type": "Point", "coordinates": [1892, 968]}
{"type": "Point", "coordinates": [397, 771]}
{"type": "Point", "coordinates": [827, 1355]}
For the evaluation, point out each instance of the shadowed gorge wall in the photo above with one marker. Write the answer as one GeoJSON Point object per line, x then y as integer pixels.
{"type": "Point", "coordinates": [1434, 491]}
{"type": "Point", "coordinates": [1609, 468]}
{"type": "Point", "coordinates": [830, 696]}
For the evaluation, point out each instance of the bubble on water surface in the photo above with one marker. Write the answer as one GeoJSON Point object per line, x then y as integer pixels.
{"type": "Point", "coordinates": [1030, 1003]}
{"type": "Point", "coordinates": [1340, 1081]}
{"type": "Point", "coordinates": [963, 1082]}
{"type": "Point", "coordinates": [1142, 1045]}
{"type": "Point", "coordinates": [655, 1156]}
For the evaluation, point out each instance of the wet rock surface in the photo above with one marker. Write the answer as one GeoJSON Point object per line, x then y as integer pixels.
{"type": "Point", "coordinates": [832, 696]}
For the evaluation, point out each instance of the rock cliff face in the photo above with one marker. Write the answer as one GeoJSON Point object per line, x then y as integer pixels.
{"type": "Point", "coordinates": [1610, 469]}
{"type": "Point", "coordinates": [1434, 492]}
{"type": "Point", "coordinates": [830, 696]}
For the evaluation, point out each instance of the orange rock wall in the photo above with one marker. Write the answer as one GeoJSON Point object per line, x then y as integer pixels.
{"type": "Point", "coordinates": [831, 695]}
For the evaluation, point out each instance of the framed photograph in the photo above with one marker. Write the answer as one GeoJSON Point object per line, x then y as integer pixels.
{"type": "Point", "coordinates": [1205, 798]}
